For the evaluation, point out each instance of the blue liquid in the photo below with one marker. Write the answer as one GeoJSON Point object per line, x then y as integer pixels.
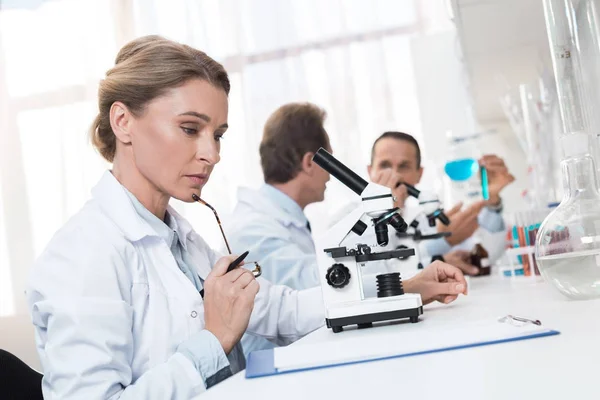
{"type": "Point", "coordinates": [485, 190]}
{"type": "Point", "coordinates": [462, 170]}
{"type": "Point", "coordinates": [517, 272]}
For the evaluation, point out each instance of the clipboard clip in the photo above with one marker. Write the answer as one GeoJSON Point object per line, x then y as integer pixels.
{"type": "Point", "coordinates": [519, 321]}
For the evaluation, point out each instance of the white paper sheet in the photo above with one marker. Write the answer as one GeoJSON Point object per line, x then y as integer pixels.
{"type": "Point", "coordinates": [349, 347]}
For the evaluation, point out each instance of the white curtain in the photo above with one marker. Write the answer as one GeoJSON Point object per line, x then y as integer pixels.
{"type": "Point", "coordinates": [350, 57]}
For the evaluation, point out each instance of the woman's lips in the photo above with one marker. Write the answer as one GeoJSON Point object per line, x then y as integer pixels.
{"type": "Point", "coordinates": [197, 180]}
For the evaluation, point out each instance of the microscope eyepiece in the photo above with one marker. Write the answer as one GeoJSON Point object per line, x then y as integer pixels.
{"type": "Point", "coordinates": [444, 219]}
{"type": "Point", "coordinates": [412, 191]}
{"type": "Point", "coordinates": [342, 173]}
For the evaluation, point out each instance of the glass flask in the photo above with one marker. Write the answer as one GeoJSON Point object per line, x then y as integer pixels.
{"type": "Point", "coordinates": [466, 181]}
{"type": "Point", "coordinates": [568, 242]}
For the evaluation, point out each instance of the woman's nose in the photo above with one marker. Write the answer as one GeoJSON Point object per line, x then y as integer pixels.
{"type": "Point", "coordinates": [208, 150]}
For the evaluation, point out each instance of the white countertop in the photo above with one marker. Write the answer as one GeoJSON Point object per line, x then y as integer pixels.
{"type": "Point", "coordinates": [566, 366]}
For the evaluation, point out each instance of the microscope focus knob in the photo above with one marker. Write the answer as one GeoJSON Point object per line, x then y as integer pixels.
{"type": "Point", "coordinates": [338, 276]}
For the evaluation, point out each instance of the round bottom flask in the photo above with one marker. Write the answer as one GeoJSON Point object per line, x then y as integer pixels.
{"type": "Point", "coordinates": [568, 242]}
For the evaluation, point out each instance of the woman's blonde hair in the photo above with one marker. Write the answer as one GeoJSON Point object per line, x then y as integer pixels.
{"type": "Point", "coordinates": [145, 69]}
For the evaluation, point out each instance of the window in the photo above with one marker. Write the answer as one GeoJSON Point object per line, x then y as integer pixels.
{"type": "Point", "coordinates": [350, 57]}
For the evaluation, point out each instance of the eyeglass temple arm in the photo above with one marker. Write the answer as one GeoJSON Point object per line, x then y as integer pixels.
{"type": "Point", "coordinates": [199, 200]}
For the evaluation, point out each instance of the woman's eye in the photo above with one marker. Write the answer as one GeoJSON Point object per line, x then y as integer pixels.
{"type": "Point", "coordinates": [218, 138]}
{"type": "Point", "coordinates": [189, 131]}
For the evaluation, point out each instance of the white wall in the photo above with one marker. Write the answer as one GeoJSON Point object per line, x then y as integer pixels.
{"type": "Point", "coordinates": [442, 90]}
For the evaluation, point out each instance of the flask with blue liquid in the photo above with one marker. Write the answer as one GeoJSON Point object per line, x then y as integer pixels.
{"type": "Point", "coordinates": [467, 180]}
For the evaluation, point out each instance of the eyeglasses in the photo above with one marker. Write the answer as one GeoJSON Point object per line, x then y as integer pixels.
{"type": "Point", "coordinates": [257, 271]}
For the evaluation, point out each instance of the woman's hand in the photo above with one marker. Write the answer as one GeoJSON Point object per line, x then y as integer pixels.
{"type": "Point", "coordinates": [438, 281]}
{"type": "Point", "coordinates": [228, 302]}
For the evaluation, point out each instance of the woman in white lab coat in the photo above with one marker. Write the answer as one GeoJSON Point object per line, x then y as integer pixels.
{"type": "Point", "coordinates": [115, 297]}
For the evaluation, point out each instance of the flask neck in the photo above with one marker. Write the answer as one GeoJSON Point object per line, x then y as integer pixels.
{"type": "Point", "coordinates": [579, 178]}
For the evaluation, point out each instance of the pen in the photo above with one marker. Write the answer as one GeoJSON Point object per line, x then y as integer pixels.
{"type": "Point", "coordinates": [511, 318]}
{"type": "Point", "coordinates": [521, 319]}
{"type": "Point", "coordinates": [235, 263]}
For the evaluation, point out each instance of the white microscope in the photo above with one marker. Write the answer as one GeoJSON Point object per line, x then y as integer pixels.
{"type": "Point", "coordinates": [340, 266]}
{"type": "Point", "coordinates": [431, 208]}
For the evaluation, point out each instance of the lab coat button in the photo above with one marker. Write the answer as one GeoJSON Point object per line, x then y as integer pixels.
{"type": "Point", "coordinates": [194, 314]}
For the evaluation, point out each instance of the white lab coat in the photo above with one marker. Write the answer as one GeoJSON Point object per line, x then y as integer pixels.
{"type": "Point", "coordinates": [110, 306]}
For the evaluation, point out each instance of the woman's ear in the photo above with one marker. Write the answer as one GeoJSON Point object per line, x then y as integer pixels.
{"type": "Point", "coordinates": [120, 122]}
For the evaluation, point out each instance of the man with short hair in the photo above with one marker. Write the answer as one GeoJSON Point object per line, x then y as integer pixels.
{"type": "Point", "coordinates": [270, 221]}
{"type": "Point", "coordinates": [396, 157]}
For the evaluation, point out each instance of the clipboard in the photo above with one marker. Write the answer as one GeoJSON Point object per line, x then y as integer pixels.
{"type": "Point", "coordinates": [369, 345]}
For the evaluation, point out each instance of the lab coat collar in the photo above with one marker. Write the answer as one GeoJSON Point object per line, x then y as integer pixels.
{"type": "Point", "coordinates": [182, 227]}
{"type": "Point", "coordinates": [268, 200]}
{"type": "Point", "coordinates": [114, 202]}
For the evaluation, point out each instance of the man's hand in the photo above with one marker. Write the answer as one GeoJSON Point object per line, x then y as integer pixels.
{"type": "Point", "coordinates": [498, 176]}
{"type": "Point", "coordinates": [391, 179]}
{"type": "Point", "coordinates": [438, 281]}
{"type": "Point", "coordinates": [228, 302]}
{"type": "Point", "coordinates": [462, 260]}
{"type": "Point", "coordinates": [463, 224]}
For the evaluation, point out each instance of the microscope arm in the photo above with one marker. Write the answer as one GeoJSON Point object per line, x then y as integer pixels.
{"type": "Point", "coordinates": [335, 235]}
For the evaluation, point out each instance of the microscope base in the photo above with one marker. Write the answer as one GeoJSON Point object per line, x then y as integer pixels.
{"type": "Point", "coordinates": [366, 320]}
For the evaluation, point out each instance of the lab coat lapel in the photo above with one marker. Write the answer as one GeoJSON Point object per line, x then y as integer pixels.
{"type": "Point", "coordinates": [199, 253]}
{"type": "Point", "coordinates": [197, 249]}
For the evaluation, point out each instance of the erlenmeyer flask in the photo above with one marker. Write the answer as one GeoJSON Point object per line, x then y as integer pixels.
{"type": "Point", "coordinates": [568, 242]}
